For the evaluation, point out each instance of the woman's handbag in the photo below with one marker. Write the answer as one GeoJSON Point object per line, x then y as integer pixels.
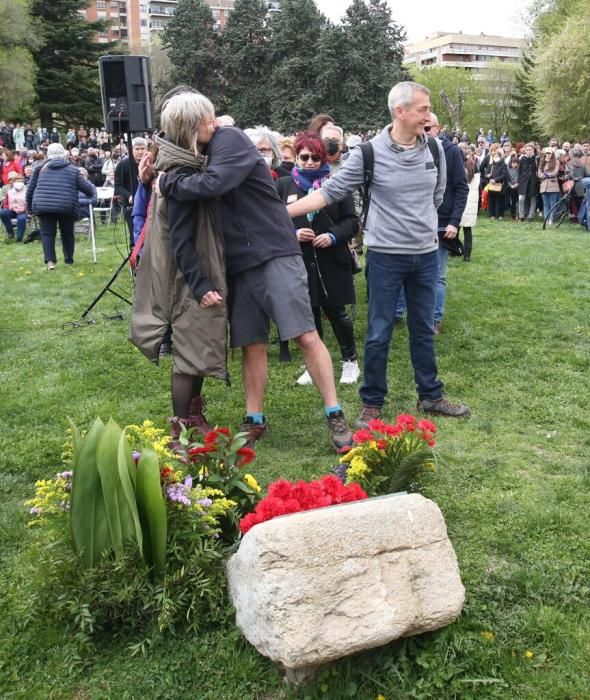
{"type": "Point", "coordinates": [494, 186]}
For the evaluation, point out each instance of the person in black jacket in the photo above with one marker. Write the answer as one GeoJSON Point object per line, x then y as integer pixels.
{"type": "Point", "coordinates": [497, 174]}
{"type": "Point", "coordinates": [52, 194]}
{"type": "Point", "coordinates": [324, 244]}
{"type": "Point", "coordinates": [266, 275]}
{"type": "Point", "coordinates": [126, 181]}
{"type": "Point", "coordinates": [527, 184]}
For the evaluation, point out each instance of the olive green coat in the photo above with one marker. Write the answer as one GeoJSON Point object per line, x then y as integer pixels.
{"type": "Point", "coordinates": [162, 297]}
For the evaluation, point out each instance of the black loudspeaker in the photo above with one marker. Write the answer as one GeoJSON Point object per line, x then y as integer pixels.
{"type": "Point", "coordinates": [126, 90]}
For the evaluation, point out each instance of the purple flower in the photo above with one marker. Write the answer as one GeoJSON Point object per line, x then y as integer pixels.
{"type": "Point", "coordinates": [188, 482]}
{"type": "Point", "coordinates": [136, 456]}
{"type": "Point", "coordinates": [340, 471]}
{"type": "Point", "coordinates": [178, 493]}
{"type": "Point", "coordinates": [205, 502]}
{"type": "Point", "coordinates": [67, 475]}
{"type": "Point", "coordinates": [35, 511]}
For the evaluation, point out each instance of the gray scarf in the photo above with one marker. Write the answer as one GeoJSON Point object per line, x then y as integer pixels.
{"type": "Point", "coordinates": [170, 155]}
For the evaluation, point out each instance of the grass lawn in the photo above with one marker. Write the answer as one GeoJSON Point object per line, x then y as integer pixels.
{"type": "Point", "coordinates": [515, 494]}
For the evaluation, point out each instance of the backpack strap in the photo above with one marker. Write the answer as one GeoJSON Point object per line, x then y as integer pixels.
{"type": "Point", "coordinates": [368, 168]}
{"type": "Point", "coordinates": [433, 146]}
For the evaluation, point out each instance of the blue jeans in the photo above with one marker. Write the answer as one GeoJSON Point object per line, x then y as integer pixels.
{"type": "Point", "coordinates": [21, 223]}
{"type": "Point", "coordinates": [441, 283]}
{"type": "Point", "coordinates": [549, 199]}
{"type": "Point", "coordinates": [387, 275]}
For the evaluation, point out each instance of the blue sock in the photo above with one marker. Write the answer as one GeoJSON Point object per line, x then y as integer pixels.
{"type": "Point", "coordinates": [332, 409]}
{"type": "Point", "coordinates": [257, 418]}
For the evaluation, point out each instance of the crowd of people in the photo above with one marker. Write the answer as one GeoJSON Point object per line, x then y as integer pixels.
{"type": "Point", "coordinates": [248, 227]}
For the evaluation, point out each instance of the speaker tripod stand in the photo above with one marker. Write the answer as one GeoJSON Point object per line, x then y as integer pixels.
{"type": "Point", "coordinates": [108, 288]}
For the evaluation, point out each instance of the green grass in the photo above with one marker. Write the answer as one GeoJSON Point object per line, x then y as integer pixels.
{"type": "Point", "coordinates": [514, 492]}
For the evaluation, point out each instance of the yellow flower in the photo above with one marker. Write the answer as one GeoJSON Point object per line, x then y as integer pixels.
{"type": "Point", "coordinates": [528, 654]}
{"type": "Point", "coordinates": [251, 482]}
{"type": "Point", "coordinates": [380, 697]}
{"type": "Point", "coordinates": [349, 455]}
{"type": "Point", "coordinates": [488, 636]}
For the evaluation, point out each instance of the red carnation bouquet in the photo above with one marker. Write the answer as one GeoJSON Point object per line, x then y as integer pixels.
{"type": "Point", "coordinates": [390, 457]}
{"type": "Point", "coordinates": [285, 497]}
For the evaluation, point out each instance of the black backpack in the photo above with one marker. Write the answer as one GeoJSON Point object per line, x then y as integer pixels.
{"type": "Point", "coordinates": [369, 166]}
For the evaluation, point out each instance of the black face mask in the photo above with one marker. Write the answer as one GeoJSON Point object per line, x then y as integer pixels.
{"type": "Point", "coordinates": [332, 146]}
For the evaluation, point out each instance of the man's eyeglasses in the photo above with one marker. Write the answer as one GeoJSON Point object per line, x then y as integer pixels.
{"type": "Point", "coordinates": [306, 156]}
{"type": "Point", "coordinates": [427, 128]}
{"type": "Point", "coordinates": [266, 151]}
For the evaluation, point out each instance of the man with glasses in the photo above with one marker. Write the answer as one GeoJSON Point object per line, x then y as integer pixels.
{"type": "Point", "coordinates": [401, 236]}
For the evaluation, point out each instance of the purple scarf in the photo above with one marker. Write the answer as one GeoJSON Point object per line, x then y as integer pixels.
{"type": "Point", "coordinates": [309, 179]}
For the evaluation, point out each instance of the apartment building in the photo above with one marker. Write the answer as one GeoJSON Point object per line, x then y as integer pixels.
{"type": "Point", "coordinates": [460, 50]}
{"type": "Point", "coordinates": [160, 12]}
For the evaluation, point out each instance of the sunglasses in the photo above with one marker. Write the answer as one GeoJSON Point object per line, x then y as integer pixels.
{"type": "Point", "coordinates": [427, 128]}
{"type": "Point", "coordinates": [306, 156]}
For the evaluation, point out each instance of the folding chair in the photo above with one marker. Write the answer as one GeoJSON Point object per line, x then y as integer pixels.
{"type": "Point", "coordinates": [105, 197]}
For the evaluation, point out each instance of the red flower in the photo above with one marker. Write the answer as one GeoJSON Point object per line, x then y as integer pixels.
{"type": "Point", "coordinates": [432, 443]}
{"type": "Point", "coordinates": [407, 421]}
{"type": "Point", "coordinates": [223, 431]}
{"type": "Point", "coordinates": [280, 489]}
{"type": "Point", "coordinates": [247, 454]}
{"type": "Point", "coordinates": [377, 424]}
{"type": "Point", "coordinates": [381, 444]}
{"type": "Point", "coordinates": [393, 430]}
{"type": "Point", "coordinates": [210, 437]}
{"type": "Point", "coordinates": [362, 436]}
{"type": "Point", "coordinates": [427, 425]}
{"type": "Point", "coordinates": [165, 472]}
{"type": "Point", "coordinates": [196, 451]}
{"type": "Point", "coordinates": [248, 522]}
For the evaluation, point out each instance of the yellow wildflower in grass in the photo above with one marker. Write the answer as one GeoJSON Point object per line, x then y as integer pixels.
{"type": "Point", "coordinates": [251, 482]}
{"type": "Point", "coordinates": [528, 654]}
{"type": "Point", "coordinates": [430, 464]}
{"type": "Point", "coordinates": [380, 697]}
{"type": "Point", "coordinates": [488, 636]}
{"type": "Point", "coordinates": [51, 498]}
{"type": "Point", "coordinates": [147, 433]}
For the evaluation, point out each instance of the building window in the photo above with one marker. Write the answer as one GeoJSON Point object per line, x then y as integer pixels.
{"type": "Point", "coordinates": [143, 23]}
{"type": "Point", "coordinates": [101, 5]}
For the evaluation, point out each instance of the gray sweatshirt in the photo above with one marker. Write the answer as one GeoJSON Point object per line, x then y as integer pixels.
{"type": "Point", "coordinates": [405, 194]}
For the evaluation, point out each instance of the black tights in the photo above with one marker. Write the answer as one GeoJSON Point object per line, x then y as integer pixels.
{"type": "Point", "coordinates": [467, 240]}
{"type": "Point", "coordinates": [185, 387]}
{"type": "Point", "coordinates": [341, 325]}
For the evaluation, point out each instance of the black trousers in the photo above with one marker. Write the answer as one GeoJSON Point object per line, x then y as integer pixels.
{"type": "Point", "coordinates": [341, 325]}
{"type": "Point", "coordinates": [49, 224]}
{"type": "Point", "coordinates": [495, 204]}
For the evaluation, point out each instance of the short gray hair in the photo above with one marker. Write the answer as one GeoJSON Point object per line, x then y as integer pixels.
{"type": "Point", "coordinates": [339, 129]}
{"type": "Point", "coordinates": [181, 116]}
{"type": "Point", "coordinates": [402, 94]}
{"type": "Point", "coordinates": [263, 133]}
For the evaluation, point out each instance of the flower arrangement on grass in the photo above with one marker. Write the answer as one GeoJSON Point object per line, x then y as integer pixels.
{"type": "Point", "coordinates": [388, 458]}
{"type": "Point", "coordinates": [133, 539]}
{"type": "Point", "coordinates": [285, 497]}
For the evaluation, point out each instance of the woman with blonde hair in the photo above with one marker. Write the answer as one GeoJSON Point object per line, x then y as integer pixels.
{"type": "Point", "coordinates": [181, 273]}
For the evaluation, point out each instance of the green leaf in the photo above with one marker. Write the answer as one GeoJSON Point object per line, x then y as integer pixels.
{"type": "Point", "coordinates": [107, 460]}
{"type": "Point", "coordinates": [130, 524]}
{"type": "Point", "coordinates": [152, 512]}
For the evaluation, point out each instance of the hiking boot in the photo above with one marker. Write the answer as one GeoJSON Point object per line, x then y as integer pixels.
{"type": "Point", "coordinates": [256, 431]}
{"type": "Point", "coordinates": [368, 413]}
{"type": "Point", "coordinates": [339, 431]}
{"type": "Point", "coordinates": [196, 416]}
{"type": "Point", "coordinates": [443, 407]}
{"type": "Point", "coordinates": [350, 372]}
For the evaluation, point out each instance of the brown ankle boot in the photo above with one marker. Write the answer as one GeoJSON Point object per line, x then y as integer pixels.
{"type": "Point", "coordinates": [196, 416]}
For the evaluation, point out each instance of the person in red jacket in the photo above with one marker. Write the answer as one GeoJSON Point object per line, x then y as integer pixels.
{"type": "Point", "coordinates": [9, 165]}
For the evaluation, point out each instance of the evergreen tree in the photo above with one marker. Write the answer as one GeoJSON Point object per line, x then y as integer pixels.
{"type": "Point", "coordinates": [372, 63]}
{"type": "Point", "coordinates": [67, 62]}
{"type": "Point", "coordinates": [332, 71]}
{"type": "Point", "coordinates": [193, 48]}
{"type": "Point", "coordinates": [246, 64]}
{"type": "Point", "coordinates": [526, 128]}
{"type": "Point", "coordinates": [296, 32]}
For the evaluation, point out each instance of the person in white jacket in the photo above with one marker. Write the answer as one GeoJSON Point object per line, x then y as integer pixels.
{"type": "Point", "coordinates": [469, 218]}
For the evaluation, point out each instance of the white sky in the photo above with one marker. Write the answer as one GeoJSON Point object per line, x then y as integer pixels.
{"type": "Point", "coordinates": [424, 17]}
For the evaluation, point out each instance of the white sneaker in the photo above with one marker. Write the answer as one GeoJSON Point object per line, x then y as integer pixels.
{"type": "Point", "coordinates": [305, 379]}
{"type": "Point", "coordinates": [350, 372]}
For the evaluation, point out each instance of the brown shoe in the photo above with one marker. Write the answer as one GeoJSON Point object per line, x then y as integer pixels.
{"type": "Point", "coordinates": [339, 431]}
{"type": "Point", "coordinates": [368, 413]}
{"type": "Point", "coordinates": [196, 416]}
{"type": "Point", "coordinates": [256, 431]}
{"type": "Point", "coordinates": [443, 407]}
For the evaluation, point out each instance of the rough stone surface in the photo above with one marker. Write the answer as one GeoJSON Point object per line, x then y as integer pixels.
{"type": "Point", "coordinates": [312, 587]}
